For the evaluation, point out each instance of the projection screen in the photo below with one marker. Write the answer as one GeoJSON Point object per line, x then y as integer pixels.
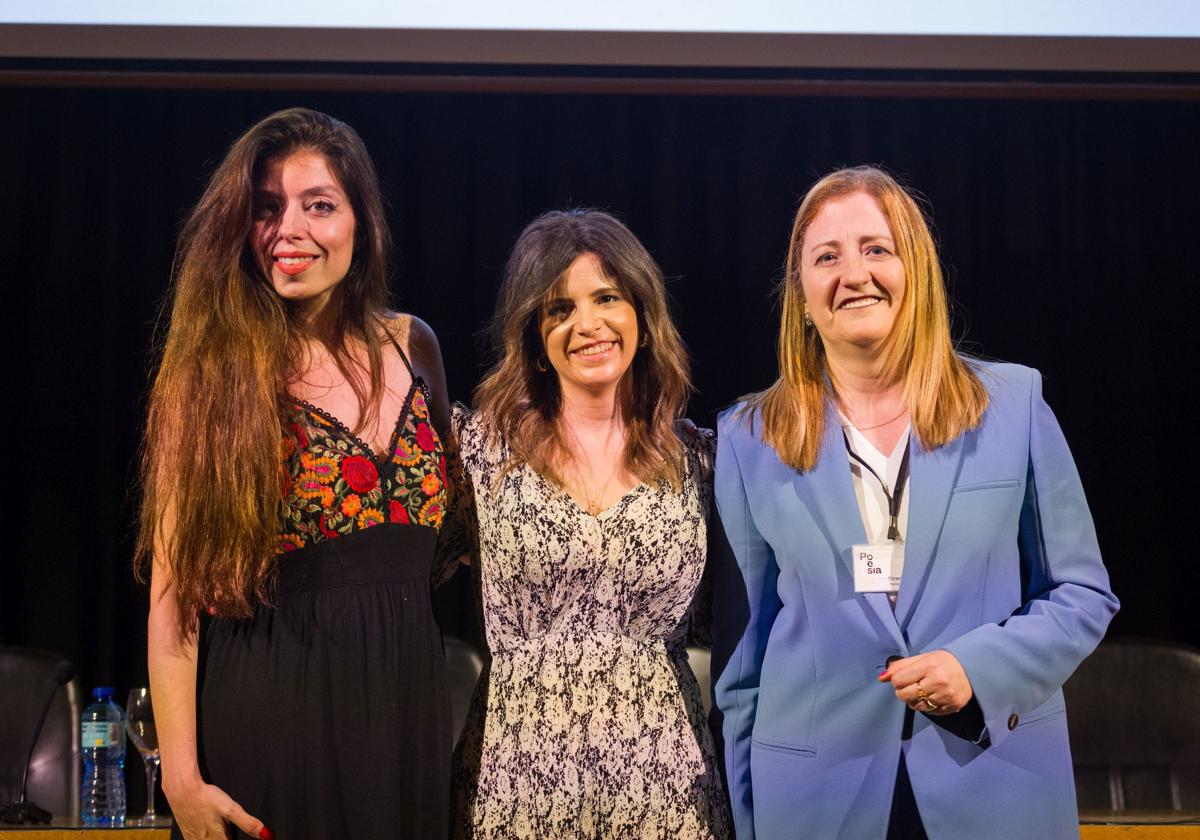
{"type": "Point", "coordinates": [1153, 36]}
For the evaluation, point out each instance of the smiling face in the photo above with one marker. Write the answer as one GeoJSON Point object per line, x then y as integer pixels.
{"type": "Point", "coordinates": [303, 229]}
{"type": "Point", "coordinates": [852, 279]}
{"type": "Point", "coordinates": [589, 329]}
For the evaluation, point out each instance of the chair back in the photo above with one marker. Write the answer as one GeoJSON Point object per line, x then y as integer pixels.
{"type": "Point", "coordinates": [27, 677]}
{"type": "Point", "coordinates": [463, 666]}
{"type": "Point", "coordinates": [1133, 710]}
{"type": "Point", "coordinates": [700, 661]}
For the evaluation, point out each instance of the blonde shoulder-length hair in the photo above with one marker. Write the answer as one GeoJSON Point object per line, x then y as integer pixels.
{"type": "Point", "coordinates": [520, 397]}
{"type": "Point", "coordinates": [943, 395]}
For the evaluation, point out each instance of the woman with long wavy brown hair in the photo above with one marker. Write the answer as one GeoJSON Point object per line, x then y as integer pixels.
{"type": "Point", "coordinates": [296, 670]}
{"type": "Point", "coordinates": [590, 502]}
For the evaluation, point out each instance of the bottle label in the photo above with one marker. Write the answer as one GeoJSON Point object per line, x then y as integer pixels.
{"type": "Point", "coordinates": [100, 733]}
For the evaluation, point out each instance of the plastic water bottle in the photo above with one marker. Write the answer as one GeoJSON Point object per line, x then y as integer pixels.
{"type": "Point", "coordinates": [102, 740]}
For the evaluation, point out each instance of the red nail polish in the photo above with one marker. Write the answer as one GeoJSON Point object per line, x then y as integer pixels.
{"type": "Point", "coordinates": [265, 834]}
{"type": "Point", "coordinates": [885, 676]}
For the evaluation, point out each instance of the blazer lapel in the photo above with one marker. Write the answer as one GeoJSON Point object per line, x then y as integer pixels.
{"type": "Point", "coordinates": [828, 491]}
{"type": "Point", "coordinates": [931, 479]}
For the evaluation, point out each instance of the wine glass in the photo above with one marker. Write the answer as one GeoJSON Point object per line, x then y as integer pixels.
{"type": "Point", "coordinates": [139, 723]}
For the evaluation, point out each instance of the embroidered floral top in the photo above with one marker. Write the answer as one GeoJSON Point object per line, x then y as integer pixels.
{"type": "Point", "coordinates": [335, 485]}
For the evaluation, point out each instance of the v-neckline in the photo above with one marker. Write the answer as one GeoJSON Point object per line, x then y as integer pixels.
{"type": "Point", "coordinates": [856, 433]}
{"type": "Point", "coordinates": [580, 509]}
{"type": "Point", "coordinates": [405, 408]}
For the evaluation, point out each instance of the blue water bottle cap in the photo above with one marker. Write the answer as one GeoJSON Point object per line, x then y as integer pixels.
{"type": "Point", "coordinates": [103, 692]}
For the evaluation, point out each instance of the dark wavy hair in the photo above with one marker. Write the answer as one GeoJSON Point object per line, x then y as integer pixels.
{"type": "Point", "coordinates": [211, 470]}
{"type": "Point", "coordinates": [523, 404]}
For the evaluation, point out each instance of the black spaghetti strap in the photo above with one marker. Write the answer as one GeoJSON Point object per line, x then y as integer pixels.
{"type": "Point", "coordinates": [403, 357]}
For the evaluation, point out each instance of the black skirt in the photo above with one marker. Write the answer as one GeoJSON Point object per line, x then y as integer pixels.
{"type": "Point", "coordinates": [327, 716]}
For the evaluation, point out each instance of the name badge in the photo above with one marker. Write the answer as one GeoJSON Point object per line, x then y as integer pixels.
{"type": "Point", "coordinates": [877, 568]}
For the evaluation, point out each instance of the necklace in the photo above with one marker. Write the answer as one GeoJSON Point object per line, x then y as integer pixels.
{"type": "Point", "coordinates": [593, 505]}
{"type": "Point", "coordinates": [880, 425]}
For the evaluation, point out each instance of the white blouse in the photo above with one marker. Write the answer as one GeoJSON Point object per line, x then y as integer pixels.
{"type": "Point", "coordinates": [872, 503]}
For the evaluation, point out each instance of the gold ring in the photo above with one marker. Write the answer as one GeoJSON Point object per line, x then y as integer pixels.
{"type": "Point", "coordinates": [929, 704]}
{"type": "Point", "coordinates": [922, 697]}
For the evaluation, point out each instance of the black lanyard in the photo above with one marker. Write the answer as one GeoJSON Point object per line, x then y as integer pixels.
{"type": "Point", "coordinates": [893, 500]}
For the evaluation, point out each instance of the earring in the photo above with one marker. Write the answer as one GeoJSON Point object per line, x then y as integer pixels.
{"type": "Point", "coordinates": [542, 364]}
{"type": "Point", "coordinates": [808, 321]}
{"type": "Point", "coordinates": [644, 341]}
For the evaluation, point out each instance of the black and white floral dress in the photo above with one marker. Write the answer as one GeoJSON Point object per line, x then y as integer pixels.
{"type": "Point", "coordinates": [587, 721]}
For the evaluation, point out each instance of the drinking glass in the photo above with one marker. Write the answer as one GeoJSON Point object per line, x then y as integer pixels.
{"type": "Point", "coordinates": [139, 723]}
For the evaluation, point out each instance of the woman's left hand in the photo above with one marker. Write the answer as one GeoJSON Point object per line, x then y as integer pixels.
{"type": "Point", "coordinates": [933, 683]}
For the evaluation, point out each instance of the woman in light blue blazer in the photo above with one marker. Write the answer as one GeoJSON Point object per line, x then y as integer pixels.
{"type": "Point", "coordinates": [917, 571]}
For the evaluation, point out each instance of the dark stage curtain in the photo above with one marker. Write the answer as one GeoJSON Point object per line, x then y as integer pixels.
{"type": "Point", "coordinates": [1068, 228]}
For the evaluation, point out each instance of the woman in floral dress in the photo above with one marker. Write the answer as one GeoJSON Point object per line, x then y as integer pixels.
{"type": "Point", "coordinates": [588, 500]}
{"type": "Point", "coordinates": [298, 675]}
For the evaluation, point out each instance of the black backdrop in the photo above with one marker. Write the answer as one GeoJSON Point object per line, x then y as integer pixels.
{"type": "Point", "coordinates": [1069, 229]}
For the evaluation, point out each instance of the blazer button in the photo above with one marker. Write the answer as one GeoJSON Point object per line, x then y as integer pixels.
{"type": "Point", "coordinates": [1012, 721]}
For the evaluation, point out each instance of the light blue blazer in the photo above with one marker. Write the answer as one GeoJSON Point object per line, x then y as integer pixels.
{"type": "Point", "coordinates": [1001, 569]}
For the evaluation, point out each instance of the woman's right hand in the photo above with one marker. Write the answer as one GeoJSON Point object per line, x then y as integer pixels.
{"type": "Point", "coordinates": [203, 811]}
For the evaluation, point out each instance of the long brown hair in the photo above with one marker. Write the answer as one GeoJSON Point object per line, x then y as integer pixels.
{"type": "Point", "coordinates": [523, 402]}
{"type": "Point", "coordinates": [943, 395]}
{"type": "Point", "coordinates": [211, 470]}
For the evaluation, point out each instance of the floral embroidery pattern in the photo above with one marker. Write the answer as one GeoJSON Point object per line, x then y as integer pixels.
{"type": "Point", "coordinates": [334, 485]}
